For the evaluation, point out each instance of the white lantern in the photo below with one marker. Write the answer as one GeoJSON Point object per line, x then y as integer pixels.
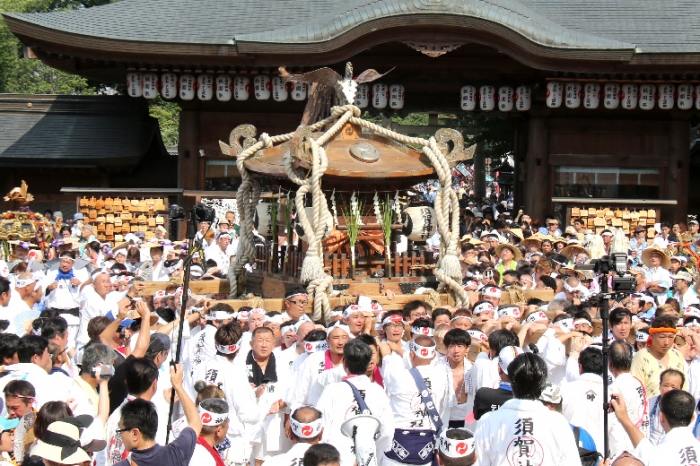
{"type": "Point", "coordinates": [187, 87]}
{"type": "Point", "coordinates": [468, 98]}
{"type": "Point", "coordinates": [262, 86]}
{"type": "Point", "coordinates": [262, 218]}
{"type": "Point", "coordinates": [279, 89]}
{"type": "Point", "coordinates": [224, 87]}
{"type": "Point", "coordinates": [380, 96]}
{"type": "Point", "coordinates": [150, 85]}
{"type": "Point", "coordinates": [554, 94]}
{"type": "Point", "coordinates": [629, 96]}
{"type": "Point", "coordinates": [134, 84]}
{"type": "Point", "coordinates": [505, 99]}
{"type": "Point", "coordinates": [241, 88]}
{"type": "Point", "coordinates": [573, 95]}
{"type": "Point", "coordinates": [647, 96]}
{"type": "Point", "coordinates": [591, 95]}
{"type": "Point", "coordinates": [685, 96]}
{"type": "Point", "coordinates": [168, 87]}
{"type": "Point", "coordinates": [697, 97]}
{"type": "Point", "coordinates": [523, 98]}
{"type": "Point", "coordinates": [487, 98]}
{"type": "Point", "coordinates": [205, 87]}
{"type": "Point", "coordinates": [299, 92]}
{"type": "Point", "coordinates": [666, 92]}
{"type": "Point", "coordinates": [362, 96]}
{"type": "Point", "coordinates": [419, 223]}
{"type": "Point", "coordinates": [396, 96]}
{"type": "Point", "coordinates": [611, 99]}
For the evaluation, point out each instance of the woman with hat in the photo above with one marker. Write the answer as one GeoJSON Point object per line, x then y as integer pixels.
{"type": "Point", "coordinates": [509, 256]}
{"type": "Point", "coordinates": [658, 280]}
{"type": "Point", "coordinates": [61, 444]}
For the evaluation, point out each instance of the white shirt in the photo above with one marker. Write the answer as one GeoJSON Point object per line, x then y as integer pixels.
{"type": "Point", "coordinates": [582, 405]}
{"type": "Point", "coordinates": [677, 447]}
{"type": "Point", "coordinates": [311, 380]}
{"type": "Point", "coordinates": [688, 298]}
{"type": "Point", "coordinates": [502, 436]}
{"type": "Point", "coordinates": [294, 457]}
{"type": "Point", "coordinates": [33, 374]}
{"type": "Point", "coordinates": [458, 411]}
{"type": "Point", "coordinates": [66, 295]}
{"type": "Point", "coordinates": [661, 275]}
{"type": "Point", "coordinates": [337, 403]}
{"type": "Point", "coordinates": [406, 403]}
{"type": "Point", "coordinates": [92, 306]}
{"type": "Point", "coordinates": [693, 374]}
{"type": "Point", "coordinates": [202, 347]}
{"type": "Point", "coordinates": [484, 373]}
{"type": "Point", "coordinates": [222, 258]}
{"type": "Point", "coordinates": [201, 457]}
{"type": "Point", "coordinates": [632, 391]}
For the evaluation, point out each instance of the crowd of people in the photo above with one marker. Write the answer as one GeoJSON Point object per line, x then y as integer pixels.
{"type": "Point", "coordinates": [515, 378]}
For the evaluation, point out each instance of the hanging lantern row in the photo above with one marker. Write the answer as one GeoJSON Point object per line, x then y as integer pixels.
{"type": "Point", "coordinates": [628, 96]}
{"type": "Point", "coordinates": [381, 96]}
{"type": "Point", "coordinates": [206, 86]}
{"type": "Point", "coordinates": [488, 97]}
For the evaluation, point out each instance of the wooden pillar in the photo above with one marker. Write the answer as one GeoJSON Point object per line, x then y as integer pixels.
{"type": "Point", "coordinates": [537, 195]}
{"type": "Point", "coordinates": [479, 172]}
{"type": "Point", "coordinates": [678, 170]}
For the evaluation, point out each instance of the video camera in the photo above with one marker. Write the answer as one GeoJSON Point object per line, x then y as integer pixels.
{"type": "Point", "coordinates": [616, 262]}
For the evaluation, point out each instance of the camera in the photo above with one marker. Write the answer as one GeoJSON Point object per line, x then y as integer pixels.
{"type": "Point", "coordinates": [616, 262]}
{"type": "Point", "coordinates": [103, 371]}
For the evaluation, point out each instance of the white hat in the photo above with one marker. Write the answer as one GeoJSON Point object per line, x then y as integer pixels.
{"type": "Point", "coordinates": [683, 275]}
{"type": "Point", "coordinates": [551, 394]}
{"type": "Point", "coordinates": [507, 355]}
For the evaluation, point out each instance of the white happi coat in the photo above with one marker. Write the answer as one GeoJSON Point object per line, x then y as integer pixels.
{"type": "Point", "coordinates": [635, 396]}
{"type": "Point", "coordinates": [294, 457]}
{"type": "Point", "coordinates": [522, 430]}
{"type": "Point", "coordinates": [311, 379]}
{"type": "Point", "coordinates": [337, 403]}
{"type": "Point", "coordinates": [677, 447]}
{"type": "Point", "coordinates": [582, 405]}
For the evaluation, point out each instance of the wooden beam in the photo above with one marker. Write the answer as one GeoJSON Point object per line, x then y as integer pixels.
{"type": "Point", "coordinates": [197, 287]}
{"type": "Point", "coordinates": [388, 304]}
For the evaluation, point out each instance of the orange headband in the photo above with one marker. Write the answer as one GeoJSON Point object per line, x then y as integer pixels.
{"type": "Point", "coordinates": [652, 331]}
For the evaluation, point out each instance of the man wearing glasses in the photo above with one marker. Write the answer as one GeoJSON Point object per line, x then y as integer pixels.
{"type": "Point", "coordinates": [551, 228]}
{"type": "Point", "coordinates": [295, 305]}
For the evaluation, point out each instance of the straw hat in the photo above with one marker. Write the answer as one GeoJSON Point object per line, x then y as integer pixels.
{"type": "Point", "coordinates": [62, 445]}
{"type": "Point", "coordinates": [646, 257]}
{"type": "Point", "coordinates": [535, 239]}
{"type": "Point", "coordinates": [471, 240]}
{"type": "Point", "coordinates": [513, 249]}
{"type": "Point", "coordinates": [517, 232]}
{"type": "Point", "coordinates": [572, 249]}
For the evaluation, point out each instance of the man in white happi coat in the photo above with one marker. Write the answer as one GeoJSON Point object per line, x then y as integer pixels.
{"type": "Point", "coordinates": [213, 412]}
{"type": "Point", "coordinates": [94, 304]}
{"type": "Point", "coordinates": [243, 405]}
{"type": "Point", "coordinates": [632, 391]}
{"type": "Point", "coordinates": [339, 403]}
{"type": "Point", "coordinates": [678, 446]}
{"type": "Point", "coordinates": [582, 400]}
{"type": "Point", "coordinates": [63, 291]}
{"type": "Point", "coordinates": [221, 253]}
{"type": "Point", "coordinates": [202, 346]}
{"type": "Point", "coordinates": [523, 430]}
{"type": "Point", "coordinates": [657, 278]}
{"type": "Point", "coordinates": [320, 369]}
{"type": "Point", "coordinates": [415, 427]}
{"type": "Point", "coordinates": [305, 429]}
{"type": "Point", "coordinates": [684, 294]}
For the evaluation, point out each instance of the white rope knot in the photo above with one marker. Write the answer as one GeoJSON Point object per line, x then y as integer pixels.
{"type": "Point", "coordinates": [266, 140]}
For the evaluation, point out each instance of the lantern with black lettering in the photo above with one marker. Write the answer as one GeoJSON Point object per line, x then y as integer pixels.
{"type": "Point", "coordinates": [505, 98]}
{"type": "Point", "coordinates": [468, 98]}
{"type": "Point", "coordinates": [134, 84]}
{"type": "Point", "coordinates": [554, 94]}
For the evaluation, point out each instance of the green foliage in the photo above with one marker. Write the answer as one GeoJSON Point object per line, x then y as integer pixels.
{"type": "Point", "coordinates": [168, 116]}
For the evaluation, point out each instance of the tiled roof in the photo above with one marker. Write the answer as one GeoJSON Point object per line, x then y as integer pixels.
{"type": "Point", "coordinates": [81, 130]}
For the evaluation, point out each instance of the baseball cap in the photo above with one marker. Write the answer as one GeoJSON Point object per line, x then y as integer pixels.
{"type": "Point", "coordinates": [551, 394]}
{"type": "Point", "coordinates": [159, 342]}
{"type": "Point", "coordinates": [507, 355]}
{"type": "Point", "coordinates": [683, 275]}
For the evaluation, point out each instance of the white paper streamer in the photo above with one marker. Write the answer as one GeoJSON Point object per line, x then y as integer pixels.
{"type": "Point", "coordinates": [377, 210]}
{"type": "Point", "coordinates": [334, 208]}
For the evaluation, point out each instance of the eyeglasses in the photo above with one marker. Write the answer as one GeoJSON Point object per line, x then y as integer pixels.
{"type": "Point", "coordinates": [552, 224]}
{"type": "Point", "coordinates": [125, 429]}
{"type": "Point", "coordinates": [300, 303]}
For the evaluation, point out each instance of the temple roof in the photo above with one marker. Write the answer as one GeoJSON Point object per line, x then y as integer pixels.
{"type": "Point", "coordinates": [75, 130]}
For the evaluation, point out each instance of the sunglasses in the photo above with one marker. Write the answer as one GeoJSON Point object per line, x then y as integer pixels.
{"type": "Point", "coordinates": [552, 224]}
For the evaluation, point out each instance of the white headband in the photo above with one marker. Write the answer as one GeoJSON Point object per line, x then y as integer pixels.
{"type": "Point", "coordinates": [228, 349]}
{"type": "Point", "coordinates": [692, 323]}
{"type": "Point", "coordinates": [567, 325]}
{"type": "Point", "coordinates": [22, 282]}
{"type": "Point", "coordinates": [642, 337]}
{"type": "Point", "coordinates": [477, 335]}
{"type": "Point", "coordinates": [292, 296]}
{"type": "Point", "coordinates": [538, 316]}
{"type": "Point", "coordinates": [315, 346]}
{"type": "Point", "coordinates": [462, 317]}
{"type": "Point", "coordinates": [242, 315]}
{"type": "Point", "coordinates": [306, 430]}
{"type": "Point", "coordinates": [453, 448]}
{"type": "Point", "coordinates": [482, 307]}
{"type": "Point", "coordinates": [510, 311]}
{"type": "Point", "coordinates": [278, 319]}
{"type": "Point", "coordinates": [342, 327]}
{"type": "Point", "coordinates": [211, 419]}
{"type": "Point", "coordinates": [220, 315]}
{"type": "Point", "coordinates": [256, 310]}
{"type": "Point", "coordinates": [336, 313]}
{"type": "Point", "coordinates": [583, 321]}
{"type": "Point", "coordinates": [491, 291]}
{"type": "Point", "coordinates": [423, 352]}
{"type": "Point", "coordinates": [350, 310]}
{"type": "Point", "coordinates": [423, 331]}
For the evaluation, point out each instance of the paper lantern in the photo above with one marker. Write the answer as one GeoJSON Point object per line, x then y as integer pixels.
{"type": "Point", "coordinates": [554, 94]}
{"type": "Point", "coordinates": [150, 85]}
{"type": "Point", "coordinates": [523, 98]}
{"type": "Point", "coordinates": [573, 95]}
{"type": "Point", "coordinates": [362, 96]}
{"type": "Point", "coordinates": [666, 96]}
{"type": "Point", "coordinates": [205, 87]}
{"type": "Point", "coordinates": [279, 89]}
{"type": "Point", "coordinates": [241, 88]}
{"type": "Point", "coordinates": [697, 97]}
{"type": "Point", "coordinates": [397, 95]}
{"type": "Point", "coordinates": [468, 98]}
{"type": "Point", "coordinates": [611, 96]}
{"type": "Point", "coordinates": [224, 87]}
{"type": "Point", "coordinates": [380, 96]}
{"type": "Point", "coordinates": [134, 84]}
{"type": "Point", "coordinates": [505, 98]}
{"type": "Point", "coordinates": [263, 87]}
{"type": "Point", "coordinates": [487, 98]}
{"type": "Point", "coordinates": [629, 96]}
{"type": "Point", "coordinates": [168, 88]}
{"type": "Point", "coordinates": [419, 223]}
{"type": "Point", "coordinates": [685, 96]}
{"type": "Point", "coordinates": [591, 96]}
{"type": "Point", "coordinates": [187, 87]}
{"type": "Point", "coordinates": [299, 92]}
{"type": "Point", "coordinates": [647, 96]}
{"type": "Point", "coordinates": [262, 218]}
